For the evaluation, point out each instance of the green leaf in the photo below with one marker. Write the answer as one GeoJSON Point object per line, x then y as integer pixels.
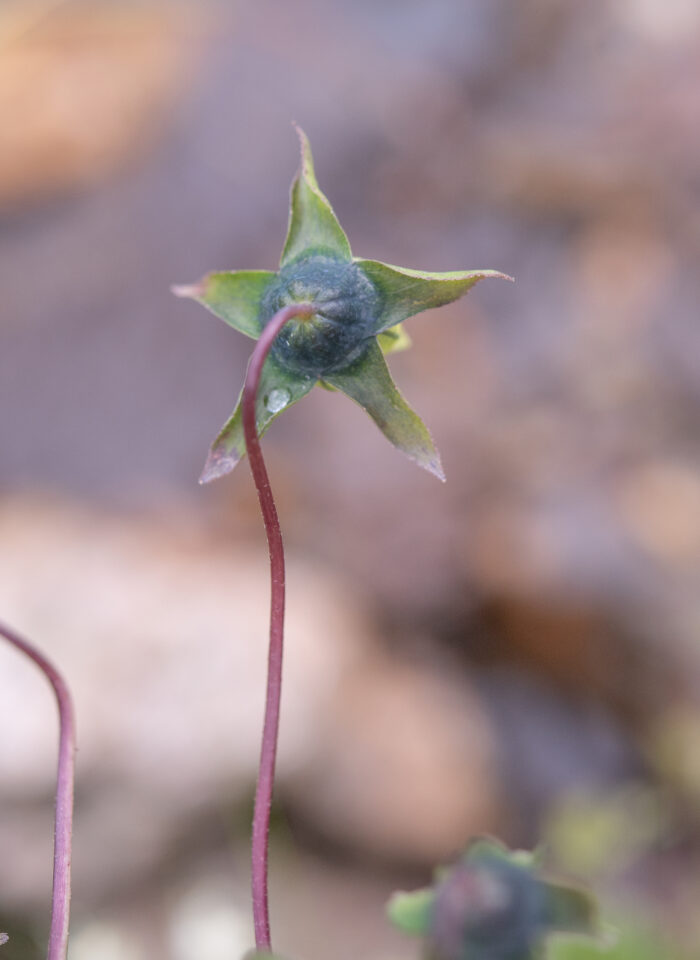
{"type": "Point", "coordinates": [368, 382]}
{"type": "Point", "coordinates": [313, 227]}
{"type": "Point", "coordinates": [571, 910]}
{"type": "Point", "coordinates": [627, 944]}
{"type": "Point", "coordinates": [394, 339]}
{"type": "Point", "coordinates": [406, 292]}
{"type": "Point", "coordinates": [278, 390]}
{"type": "Point", "coordinates": [410, 912]}
{"type": "Point", "coordinates": [233, 296]}
{"type": "Point", "coordinates": [491, 848]}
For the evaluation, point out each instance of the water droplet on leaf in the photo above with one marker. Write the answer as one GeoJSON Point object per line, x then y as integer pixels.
{"type": "Point", "coordinates": [277, 399]}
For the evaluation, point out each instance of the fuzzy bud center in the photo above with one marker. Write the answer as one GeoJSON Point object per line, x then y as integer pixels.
{"type": "Point", "coordinates": [347, 305]}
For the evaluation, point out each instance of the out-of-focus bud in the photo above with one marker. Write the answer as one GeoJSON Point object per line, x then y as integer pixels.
{"type": "Point", "coordinates": [494, 904]}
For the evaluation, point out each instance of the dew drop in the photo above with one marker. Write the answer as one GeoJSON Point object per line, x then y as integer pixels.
{"type": "Point", "coordinates": [277, 399]}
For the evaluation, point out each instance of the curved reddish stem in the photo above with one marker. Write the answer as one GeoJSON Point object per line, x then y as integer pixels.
{"type": "Point", "coordinates": [63, 828]}
{"type": "Point", "coordinates": [268, 750]}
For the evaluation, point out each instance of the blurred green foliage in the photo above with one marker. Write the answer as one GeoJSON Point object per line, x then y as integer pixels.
{"type": "Point", "coordinates": [631, 944]}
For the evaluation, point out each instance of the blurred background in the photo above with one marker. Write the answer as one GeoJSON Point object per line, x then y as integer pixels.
{"type": "Point", "coordinates": [516, 652]}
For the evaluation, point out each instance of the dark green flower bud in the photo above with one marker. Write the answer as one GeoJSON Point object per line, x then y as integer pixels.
{"type": "Point", "coordinates": [488, 910]}
{"type": "Point", "coordinates": [334, 336]}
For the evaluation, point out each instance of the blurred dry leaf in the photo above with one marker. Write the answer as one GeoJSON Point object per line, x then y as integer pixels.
{"type": "Point", "coordinates": [84, 87]}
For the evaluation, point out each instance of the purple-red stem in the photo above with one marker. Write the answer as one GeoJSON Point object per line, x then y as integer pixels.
{"type": "Point", "coordinates": [268, 750]}
{"type": "Point", "coordinates": [63, 828]}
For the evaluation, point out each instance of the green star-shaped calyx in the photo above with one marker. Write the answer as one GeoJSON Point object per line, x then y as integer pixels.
{"type": "Point", "coordinates": [359, 308]}
{"type": "Point", "coordinates": [494, 904]}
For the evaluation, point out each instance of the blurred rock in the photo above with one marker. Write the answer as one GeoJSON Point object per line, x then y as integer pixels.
{"type": "Point", "coordinates": [162, 635]}
{"type": "Point", "coordinates": [205, 906]}
{"type": "Point", "coordinates": [660, 505]}
{"type": "Point", "coordinates": [405, 765]}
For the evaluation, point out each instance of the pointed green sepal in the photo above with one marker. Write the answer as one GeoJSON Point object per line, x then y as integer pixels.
{"type": "Point", "coordinates": [278, 390]}
{"type": "Point", "coordinates": [394, 339]}
{"type": "Point", "coordinates": [491, 848]}
{"type": "Point", "coordinates": [233, 296]}
{"type": "Point", "coordinates": [368, 382]}
{"type": "Point", "coordinates": [313, 227]}
{"type": "Point", "coordinates": [410, 912]}
{"type": "Point", "coordinates": [571, 910]}
{"type": "Point", "coordinates": [406, 292]}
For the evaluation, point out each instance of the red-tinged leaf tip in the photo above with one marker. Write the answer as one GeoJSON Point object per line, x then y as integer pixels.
{"type": "Point", "coordinates": [218, 464]}
{"type": "Point", "coordinates": [435, 467]}
{"type": "Point", "coordinates": [190, 291]}
{"type": "Point", "coordinates": [428, 459]}
{"type": "Point", "coordinates": [303, 143]}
